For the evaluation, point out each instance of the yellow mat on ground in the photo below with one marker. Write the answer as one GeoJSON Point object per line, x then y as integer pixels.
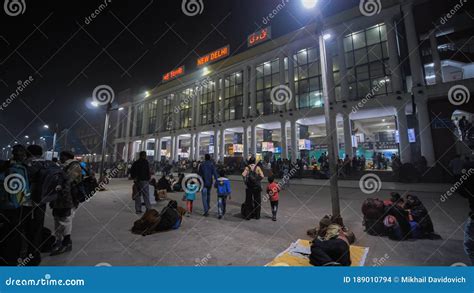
{"type": "Point", "coordinates": [358, 256]}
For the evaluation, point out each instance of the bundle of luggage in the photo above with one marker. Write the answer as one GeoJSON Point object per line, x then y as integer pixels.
{"type": "Point", "coordinates": [152, 221]}
{"type": "Point", "coordinates": [331, 244]}
{"type": "Point", "coordinates": [398, 218]}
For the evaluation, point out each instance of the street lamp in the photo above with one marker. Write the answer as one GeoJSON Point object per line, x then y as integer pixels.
{"type": "Point", "coordinates": [109, 109]}
{"type": "Point", "coordinates": [46, 126]}
{"type": "Point", "coordinates": [327, 74]}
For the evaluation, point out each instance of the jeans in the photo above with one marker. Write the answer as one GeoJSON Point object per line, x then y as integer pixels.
{"type": "Point", "coordinates": [143, 192]}
{"type": "Point", "coordinates": [206, 199]}
{"type": "Point", "coordinates": [221, 205]}
{"type": "Point", "coordinates": [274, 205]}
{"type": "Point", "coordinates": [469, 239]}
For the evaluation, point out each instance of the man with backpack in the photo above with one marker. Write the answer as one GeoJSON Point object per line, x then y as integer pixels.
{"type": "Point", "coordinates": [140, 173]}
{"type": "Point", "coordinates": [65, 205]}
{"type": "Point", "coordinates": [208, 172]}
{"type": "Point", "coordinates": [15, 199]}
{"type": "Point", "coordinates": [253, 176]}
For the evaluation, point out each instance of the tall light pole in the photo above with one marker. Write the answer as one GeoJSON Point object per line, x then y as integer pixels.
{"type": "Point", "coordinates": [328, 94]}
{"type": "Point", "coordinates": [54, 139]}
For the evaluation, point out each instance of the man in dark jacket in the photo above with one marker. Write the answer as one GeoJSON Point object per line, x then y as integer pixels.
{"type": "Point", "coordinates": [208, 172]}
{"type": "Point", "coordinates": [140, 174]}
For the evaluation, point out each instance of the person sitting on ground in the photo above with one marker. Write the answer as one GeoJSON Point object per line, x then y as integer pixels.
{"type": "Point", "coordinates": [420, 220]}
{"type": "Point", "coordinates": [162, 186]}
{"type": "Point", "coordinates": [395, 199]}
{"type": "Point", "coordinates": [333, 248]}
{"type": "Point", "coordinates": [152, 222]}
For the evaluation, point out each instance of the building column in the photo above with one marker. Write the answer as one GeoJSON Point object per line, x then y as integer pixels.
{"type": "Point", "coordinates": [216, 145]}
{"type": "Point", "coordinates": [145, 119]}
{"type": "Point", "coordinates": [348, 136]}
{"type": "Point", "coordinates": [172, 148]}
{"type": "Point", "coordinates": [413, 43]}
{"type": "Point", "coordinates": [343, 68]}
{"type": "Point", "coordinates": [197, 121]}
{"type": "Point", "coordinates": [424, 125]}
{"type": "Point", "coordinates": [144, 145]}
{"type": "Point", "coordinates": [284, 140]}
{"type": "Point", "coordinates": [191, 147]}
{"type": "Point", "coordinates": [197, 147]}
{"type": "Point", "coordinates": [246, 142]}
{"type": "Point", "coordinates": [253, 140]}
{"type": "Point", "coordinates": [394, 61]}
{"type": "Point", "coordinates": [436, 58]}
{"type": "Point", "coordinates": [281, 63]}
{"type": "Point", "coordinates": [114, 155]}
{"type": "Point", "coordinates": [294, 141]}
{"type": "Point", "coordinates": [221, 99]}
{"type": "Point", "coordinates": [134, 122]}
{"type": "Point", "coordinates": [222, 145]}
{"type": "Point", "coordinates": [405, 150]}
{"type": "Point", "coordinates": [245, 102]}
{"type": "Point", "coordinates": [291, 80]}
{"type": "Point", "coordinates": [157, 149]}
{"type": "Point", "coordinates": [216, 100]}
{"type": "Point", "coordinates": [127, 134]}
{"type": "Point", "coordinates": [253, 91]}
{"type": "Point", "coordinates": [176, 148]}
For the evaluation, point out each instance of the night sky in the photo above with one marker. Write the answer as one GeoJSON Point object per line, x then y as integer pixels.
{"type": "Point", "coordinates": [130, 44]}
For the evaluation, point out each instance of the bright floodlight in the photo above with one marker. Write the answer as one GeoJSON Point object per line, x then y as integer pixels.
{"type": "Point", "coordinates": [327, 36]}
{"type": "Point", "coordinates": [46, 126]}
{"type": "Point", "coordinates": [121, 108]}
{"type": "Point", "coordinates": [95, 104]}
{"type": "Point", "coordinates": [309, 4]}
{"type": "Point", "coordinates": [27, 137]}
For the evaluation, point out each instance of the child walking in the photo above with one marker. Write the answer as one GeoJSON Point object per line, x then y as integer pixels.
{"type": "Point", "coordinates": [190, 197]}
{"type": "Point", "coordinates": [272, 192]}
{"type": "Point", "coordinates": [223, 191]}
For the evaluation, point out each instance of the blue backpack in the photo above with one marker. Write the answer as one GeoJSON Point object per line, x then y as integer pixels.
{"type": "Point", "coordinates": [14, 186]}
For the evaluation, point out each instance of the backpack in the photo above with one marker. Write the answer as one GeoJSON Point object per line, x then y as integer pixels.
{"type": "Point", "coordinates": [252, 180]}
{"type": "Point", "coordinates": [14, 186]}
{"type": "Point", "coordinates": [54, 180]}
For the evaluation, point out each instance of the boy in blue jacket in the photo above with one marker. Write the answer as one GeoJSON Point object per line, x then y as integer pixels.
{"type": "Point", "coordinates": [223, 191]}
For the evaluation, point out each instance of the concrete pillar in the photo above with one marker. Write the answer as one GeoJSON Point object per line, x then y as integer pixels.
{"type": "Point", "coordinates": [134, 123]}
{"type": "Point", "coordinates": [253, 91]}
{"type": "Point", "coordinates": [157, 149]}
{"type": "Point", "coordinates": [330, 76]}
{"type": "Point", "coordinates": [191, 149]}
{"type": "Point", "coordinates": [222, 145]}
{"type": "Point", "coordinates": [284, 145]}
{"type": "Point", "coordinates": [394, 60]}
{"type": "Point", "coordinates": [114, 155]}
{"type": "Point", "coordinates": [221, 98]}
{"type": "Point", "coordinates": [245, 102]}
{"type": "Point", "coordinates": [405, 150]}
{"type": "Point", "coordinates": [291, 80]}
{"type": "Point", "coordinates": [197, 121]}
{"type": "Point", "coordinates": [424, 125]}
{"type": "Point", "coordinates": [348, 136]}
{"type": "Point", "coordinates": [436, 58]}
{"type": "Point", "coordinates": [246, 142]}
{"type": "Point", "coordinates": [253, 140]}
{"type": "Point", "coordinates": [216, 145]}
{"type": "Point", "coordinates": [413, 45]}
{"type": "Point", "coordinates": [294, 141]}
{"type": "Point", "coordinates": [173, 141]}
{"type": "Point", "coordinates": [145, 118]}
{"type": "Point", "coordinates": [159, 116]}
{"type": "Point", "coordinates": [197, 146]}
{"type": "Point", "coordinates": [127, 134]}
{"type": "Point", "coordinates": [281, 63]}
{"type": "Point", "coordinates": [176, 148]}
{"type": "Point", "coordinates": [342, 68]}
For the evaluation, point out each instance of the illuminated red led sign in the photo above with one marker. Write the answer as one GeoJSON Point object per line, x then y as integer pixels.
{"type": "Point", "coordinates": [173, 74]}
{"type": "Point", "coordinates": [259, 37]}
{"type": "Point", "coordinates": [214, 56]}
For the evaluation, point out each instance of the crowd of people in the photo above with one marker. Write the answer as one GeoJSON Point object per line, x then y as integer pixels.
{"type": "Point", "coordinates": [29, 184]}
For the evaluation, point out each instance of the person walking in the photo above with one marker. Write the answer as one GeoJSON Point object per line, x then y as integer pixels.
{"type": "Point", "coordinates": [273, 190]}
{"type": "Point", "coordinates": [140, 174]}
{"type": "Point", "coordinates": [223, 192]}
{"type": "Point", "coordinates": [207, 171]}
{"type": "Point", "coordinates": [253, 176]}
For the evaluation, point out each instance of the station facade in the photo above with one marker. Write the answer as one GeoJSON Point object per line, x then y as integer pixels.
{"type": "Point", "coordinates": [268, 101]}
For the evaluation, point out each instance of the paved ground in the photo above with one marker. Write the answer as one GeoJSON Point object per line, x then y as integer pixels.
{"type": "Point", "coordinates": [102, 230]}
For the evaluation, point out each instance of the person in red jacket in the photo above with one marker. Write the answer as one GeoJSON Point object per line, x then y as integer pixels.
{"type": "Point", "coordinates": [272, 191]}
